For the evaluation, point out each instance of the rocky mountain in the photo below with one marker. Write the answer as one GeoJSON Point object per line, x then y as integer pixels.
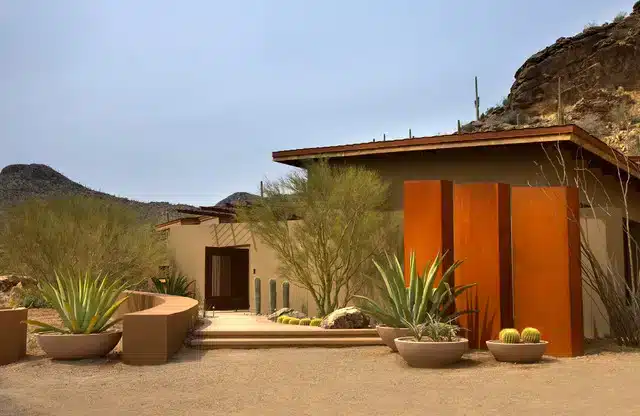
{"type": "Point", "coordinates": [19, 183]}
{"type": "Point", "coordinates": [597, 73]}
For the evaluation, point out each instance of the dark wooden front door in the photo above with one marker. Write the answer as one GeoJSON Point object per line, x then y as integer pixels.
{"type": "Point", "coordinates": [226, 278]}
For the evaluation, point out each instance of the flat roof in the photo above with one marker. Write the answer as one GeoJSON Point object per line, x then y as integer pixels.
{"type": "Point", "coordinates": [565, 133]}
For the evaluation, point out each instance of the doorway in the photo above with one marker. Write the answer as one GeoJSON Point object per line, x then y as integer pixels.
{"type": "Point", "coordinates": [226, 278]}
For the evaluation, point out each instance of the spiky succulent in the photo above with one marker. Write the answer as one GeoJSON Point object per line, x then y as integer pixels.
{"type": "Point", "coordinates": [530, 335]}
{"type": "Point", "coordinates": [286, 320]}
{"type": "Point", "coordinates": [315, 322]}
{"type": "Point", "coordinates": [85, 302]}
{"type": "Point", "coordinates": [281, 318]}
{"type": "Point", "coordinates": [294, 321]}
{"type": "Point", "coordinates": [509, 336]}
{"type": "Point", "coordinates": [305, 321]}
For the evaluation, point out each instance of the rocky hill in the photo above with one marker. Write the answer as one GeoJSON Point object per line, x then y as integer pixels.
{"type": "Point", "coordinates": [598, 74]}
{"type": "Point", "coordinates": [19, 183]}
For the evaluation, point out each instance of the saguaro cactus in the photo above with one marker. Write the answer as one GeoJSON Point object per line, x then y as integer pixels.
{"type": "Point", "coordinates": [285, 294]}
{"type": "Point", "coordinates": [272, 295]}
{"type": "Point", "coordinates": [257, 295]}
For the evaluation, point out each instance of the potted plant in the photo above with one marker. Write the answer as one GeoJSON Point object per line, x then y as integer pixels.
{"type": "Point", "coordinates": [514, 347]}
{"type": "Point", "coordinates": [85, 304]}
{"type": "Point", "coordinates": [431, 344]}
{"type": "Point", "coordinates": [423, 297]}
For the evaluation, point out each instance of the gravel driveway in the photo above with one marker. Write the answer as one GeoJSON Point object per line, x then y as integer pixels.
{"type": "Point", "coordinates": [314, 381]}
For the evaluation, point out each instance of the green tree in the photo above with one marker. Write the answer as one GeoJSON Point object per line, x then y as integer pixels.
{"type": "Point", "coordinates": [79, 233]}
{"type": "Point", "coordinates": [326, 224]}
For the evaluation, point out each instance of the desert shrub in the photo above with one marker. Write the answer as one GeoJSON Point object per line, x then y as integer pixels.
{"type": "Point", "coordinates": [589, 25]}
{"type": "Point", "coordinates": [325, 225]}
{"type": "Point", "coordinates": [305, 321]}
{"type": "Point", "coordinates": [79, 233]}
{"type": "Point", "coordinates": [31, 298]}
{"type": "Point", "coordinates": [315, 322]}
{"type": "Point", "coordinates": [619, 17]}
{"type": "Point", "coordinates": [294, 321]}
{"type": "Point", "coordinates": [173, 283]}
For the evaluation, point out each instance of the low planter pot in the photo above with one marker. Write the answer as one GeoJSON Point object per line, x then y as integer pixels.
{"type": "Point", "coordinates": [389, 334]}
{"type": "Point", "coordinates": [78, 346]}
{"type": "Point", "coordinates": [517, 353]}
{"type": "Point", "coordinates": [427, 354]}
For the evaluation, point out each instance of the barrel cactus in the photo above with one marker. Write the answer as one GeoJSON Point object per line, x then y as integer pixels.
{"type": "Point", "coordinates": [530, 335]}
{"type": "Point", "coordinates": [281, 318]}
{"type": "Point", "coordinates": [286, 319]}
{"type": "Point", "coordinates": [315, 322]}
{"type": "Point", "coordinates": [294, 321]}
{"type": "Point", "coordinates": [509, 336]}
{"type": "Point", "coordinates": [272, 295]}
{"type": "Point", "coordinates": [257, 295]}
{"type": "Point", "coordinates": [305, 321]}
{"type": "Point", "coordinates": [285, 294]}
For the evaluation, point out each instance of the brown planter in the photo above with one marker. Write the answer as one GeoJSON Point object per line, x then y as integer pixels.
{"type": "Point", "coordinates": [517, 353]}
{"type": "Point", "coordinates": [78, 346]}
{"type": "Point", "coordinates": [389, 334]}
{"type": "Point", "coordinates": [427, 354]}
{"type": "Point", "coordinates": [13, 333]}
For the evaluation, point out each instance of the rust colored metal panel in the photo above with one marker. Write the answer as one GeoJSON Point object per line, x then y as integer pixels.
{"type": "Point", "coordinates": [546, 265]}
{"type": "Point", "coordinates": [428, 222]}
{"type": "Point", "coordinates": [482, 240]}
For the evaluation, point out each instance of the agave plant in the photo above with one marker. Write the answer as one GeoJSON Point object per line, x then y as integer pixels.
{"type": "Point", "coordinates": [85, 302]}
{"type": "Point", "coordinates": [434, 329]}
{"type": "Point", "coordinates": [174, 284]}
{"type": "Point", "coordinates": [422, 300]}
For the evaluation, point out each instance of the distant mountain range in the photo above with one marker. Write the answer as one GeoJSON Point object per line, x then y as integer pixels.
{"type": "Point", "coordinates": [21, 182]}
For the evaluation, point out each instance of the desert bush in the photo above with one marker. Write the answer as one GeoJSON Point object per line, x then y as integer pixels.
{"type": "Point", "coordinates": [619, 17]}
{"type": "Point", "coordinates": [589, 25]}
{"type": "Point", "coordinates": [79, 233]}
{"type": "Point", "coordinates": [341, 225]}
{"type": "Point", "coordinates": [172, 282]}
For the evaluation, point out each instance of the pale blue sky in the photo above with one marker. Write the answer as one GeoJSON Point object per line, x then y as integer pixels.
{"type": "Point", "coordinates": [185, 100]}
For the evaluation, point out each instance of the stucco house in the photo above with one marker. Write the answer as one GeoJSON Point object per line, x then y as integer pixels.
{"type": "Point", "coordinates": [223, 257]}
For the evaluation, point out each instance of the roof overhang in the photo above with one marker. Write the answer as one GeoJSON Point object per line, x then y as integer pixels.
{"type": "Point", "coordinates": [568, 133]}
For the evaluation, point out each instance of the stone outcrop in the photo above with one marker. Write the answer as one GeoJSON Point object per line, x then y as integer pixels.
{"type": "Point", "coordinates": [346, 318]}
{"type": "Point", "coordinates": [599, 79]}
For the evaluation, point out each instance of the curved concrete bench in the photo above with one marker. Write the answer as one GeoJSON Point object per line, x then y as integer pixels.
{"type": "Point", "coordinates": [155, 326]}
{"type": "Point", "coordinates": [13, 335]}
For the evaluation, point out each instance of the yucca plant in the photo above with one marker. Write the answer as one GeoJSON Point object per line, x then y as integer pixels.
{"type": "Point", "coordinates": [174, 284]}
{"type": "Point", "coordinates": [422, 299]}
{"type": "Point", "coordinates": [85, 302]}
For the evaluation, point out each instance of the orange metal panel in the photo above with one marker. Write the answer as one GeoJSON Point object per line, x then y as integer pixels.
{"type": "Point", "coordinates": [546, 266]}
{"type": "Point", "coordinates": [428, 222]}
{"type": "Point", "coordinates": [482, 240]}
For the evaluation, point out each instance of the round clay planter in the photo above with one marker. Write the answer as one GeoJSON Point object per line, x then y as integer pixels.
{"type": "Point", "coordinates": [389, 334]}
{"type": "Point", "coordinates": [517, 353]}
{"type": "Point", "coordinates": [430, 354]}
{"type": "Point", "coordinates": [78, 346]}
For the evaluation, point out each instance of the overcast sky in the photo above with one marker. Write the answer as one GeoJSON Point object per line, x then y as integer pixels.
{"type": "Point", "coordinates": [184, 101]}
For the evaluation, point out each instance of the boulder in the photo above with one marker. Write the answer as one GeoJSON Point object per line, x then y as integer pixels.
{"type": "Point", "coordinates": [346, 318]}
{"type": "Point", "coordinates": [285, 311]}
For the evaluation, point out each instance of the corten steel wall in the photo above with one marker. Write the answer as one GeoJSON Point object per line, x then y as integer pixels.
{"type": "Point", "coordinates": [482, 240]}
{"type": "Point", "coordinates": [428, 222]}
{"type": "Point", "coordinates": [546, 265]}
{"type": "Point", "coordinates": [13, 335]}
{"type": "Point", "coordinates": [155, 326]}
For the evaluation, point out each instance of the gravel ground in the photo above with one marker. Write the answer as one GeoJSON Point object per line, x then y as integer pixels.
{"type": "Point", "coordinates": [315, 381]}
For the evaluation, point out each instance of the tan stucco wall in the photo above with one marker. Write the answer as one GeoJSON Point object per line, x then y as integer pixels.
{"type": "Point", "coordinates": [524, 165]}
{"type": "Point", "coordinates": [188, 242]}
